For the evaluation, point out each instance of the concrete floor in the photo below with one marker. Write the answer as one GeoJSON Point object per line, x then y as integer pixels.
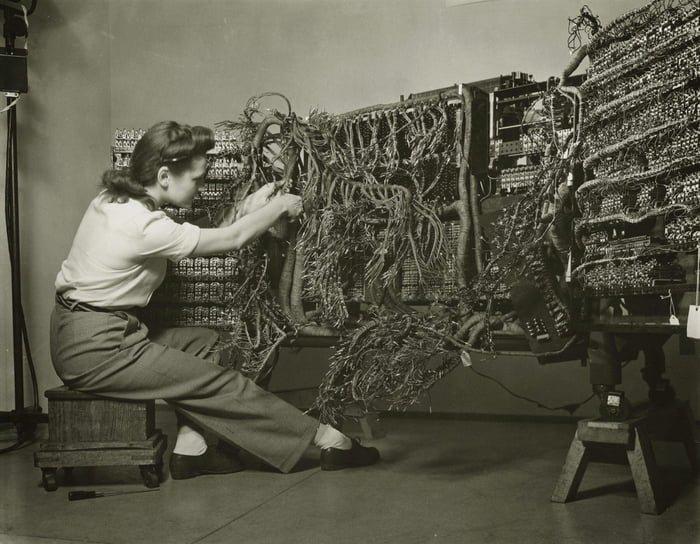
{"type": "Point", "coordinates": [442, 481]}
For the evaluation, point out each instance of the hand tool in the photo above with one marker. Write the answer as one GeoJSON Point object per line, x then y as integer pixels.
{"type": "Point", "coordinates": [82, 495]}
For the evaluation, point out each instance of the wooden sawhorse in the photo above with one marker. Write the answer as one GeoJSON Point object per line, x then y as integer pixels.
{"type": "Point", "coordinates": [594, 438]}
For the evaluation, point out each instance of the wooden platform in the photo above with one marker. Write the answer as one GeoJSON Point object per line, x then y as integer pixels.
{"type": "Point", "coordinates": [87, 430]}
{"type": "Point", "coordinates": [596, 440]}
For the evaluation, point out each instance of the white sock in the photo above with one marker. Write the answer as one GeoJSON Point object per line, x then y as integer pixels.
{"type": "Point", "coordinates": [328, 437]}
{"type": "Point", "coordinates": [189, 442]}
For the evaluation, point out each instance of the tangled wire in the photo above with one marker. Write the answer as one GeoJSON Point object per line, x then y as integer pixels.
{"type": "Point", "coordinates": [377, 186]}
{"type": "Point", "coordinates": [586, 21]}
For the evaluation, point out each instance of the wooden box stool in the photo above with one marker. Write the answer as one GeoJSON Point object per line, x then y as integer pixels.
{"type": "Point", "coordinates": [86, 430]}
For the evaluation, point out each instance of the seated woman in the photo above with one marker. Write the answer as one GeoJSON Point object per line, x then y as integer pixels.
{"type": "Point", "coordinates": [118, 258]}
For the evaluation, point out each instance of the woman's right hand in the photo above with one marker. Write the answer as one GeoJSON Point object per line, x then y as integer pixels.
{"type": "Point", "coordinates": [291, 204]}
{"type": "Point", "coordinates": [259, 198]}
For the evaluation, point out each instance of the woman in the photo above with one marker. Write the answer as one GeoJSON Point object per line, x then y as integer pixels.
{"type": "Point", "coordinates": [118, 258]}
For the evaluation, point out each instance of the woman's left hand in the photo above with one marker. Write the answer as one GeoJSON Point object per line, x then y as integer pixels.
{"type": "Point", "coordinates": [259, 198]}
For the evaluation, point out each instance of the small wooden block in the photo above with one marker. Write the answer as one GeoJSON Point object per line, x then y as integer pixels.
{"type": "Point", "coordinates": [604, 432]}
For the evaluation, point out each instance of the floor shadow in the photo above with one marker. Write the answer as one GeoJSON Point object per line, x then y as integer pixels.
{"type": "Point", "coordinates": [256, 464]}
{"type": "Point", "coordinates": [674, 483]}
{"type": "Point", "coordinates": [626, 487]}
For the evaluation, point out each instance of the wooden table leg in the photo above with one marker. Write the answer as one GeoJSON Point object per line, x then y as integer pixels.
{"type": "Point", "coordinates": [644, 471]}
{"type": "Point", "coordinates": [572, 472]}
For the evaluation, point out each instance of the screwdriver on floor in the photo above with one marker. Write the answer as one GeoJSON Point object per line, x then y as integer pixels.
{"type": "Point", "coordinates": [82, 495]}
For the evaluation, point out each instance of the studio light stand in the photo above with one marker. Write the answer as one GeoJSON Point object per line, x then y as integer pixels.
{"type": "Point", "coordinates": [13, 82]}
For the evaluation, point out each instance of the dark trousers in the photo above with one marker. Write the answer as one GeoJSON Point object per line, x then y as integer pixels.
{"type": "Point", "coordinates": [114, 354]}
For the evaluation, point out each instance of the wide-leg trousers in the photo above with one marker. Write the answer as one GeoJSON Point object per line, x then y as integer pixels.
{"type": "Point", "coordinates": [113, 354]}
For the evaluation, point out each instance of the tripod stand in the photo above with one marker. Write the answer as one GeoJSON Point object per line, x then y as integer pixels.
{"type": "Point", "coordinates": [24, 418]}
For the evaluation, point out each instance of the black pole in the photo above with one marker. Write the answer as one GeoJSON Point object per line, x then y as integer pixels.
{"type": "Point", "coordinates": [15, 267]}
{"type": "Point", "coordinates": [12, 218]}
{"type": "Point", "coordinates": [24, 418]}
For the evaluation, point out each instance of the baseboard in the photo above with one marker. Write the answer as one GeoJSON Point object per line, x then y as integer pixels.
{"type": "Point", "coordinates": [475, 416]}
{"type": "Point", "coordinates": [502, 418]}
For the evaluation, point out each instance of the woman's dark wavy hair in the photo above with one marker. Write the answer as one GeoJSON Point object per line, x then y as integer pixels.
{"type": "Point", "coordinates": [167, 144]}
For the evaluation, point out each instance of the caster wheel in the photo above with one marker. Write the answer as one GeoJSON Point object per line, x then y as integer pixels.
{"type": "Point", "coordinates": [160, 471]}
{"type": "Point", "coordinates": [48, 479]}
{"type": "Point", "coordinates": [150, 475]}
{"type": "Point", "coordinates": [26, 431]}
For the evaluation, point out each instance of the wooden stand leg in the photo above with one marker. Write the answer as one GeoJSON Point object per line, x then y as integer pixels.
{"type": "Point", "coordinates": [572, 472]}
{"type": "Point", "coordinates": [645, 474]}
{"type": "Point", "coordinates": [368, 421]}
{"type": "Point", "coordinates": [688, 436]}
{"type": "Point", "coordinates": [370, 425]}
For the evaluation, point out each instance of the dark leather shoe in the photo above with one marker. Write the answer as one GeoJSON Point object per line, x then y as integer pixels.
{"type": "Point", "coordinates": [212, 461]}
{"type": "Point", "coordinates": [357, 456]}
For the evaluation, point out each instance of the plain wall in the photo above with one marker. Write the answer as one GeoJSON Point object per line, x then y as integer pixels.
{"type": "Point", "coordinates": [199, 61]}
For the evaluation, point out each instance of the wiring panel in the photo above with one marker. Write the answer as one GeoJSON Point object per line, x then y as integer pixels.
{"type": "Point", "coordinates": [639, 207]}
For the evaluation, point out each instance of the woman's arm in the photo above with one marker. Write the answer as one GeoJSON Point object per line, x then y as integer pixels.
{"type": "Point", "coordinates": [247, 228]}
{"type": "Point", "coordinates": [249, 204]}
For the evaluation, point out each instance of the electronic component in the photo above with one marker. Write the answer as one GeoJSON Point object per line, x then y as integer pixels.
{"type": "Point", "coordinates": [615, 407]}
{"type": "Point", "coordinates": [195, 291]}
{"type": "Point", "coordinates": [537, 329]}
{"type": "Point", "coordinates": [526, 120]}
{"type": "Point", "coordinates": [633, 276]}
{"type": "Point", "coordinates": [125, 139]}
{"type": "Point", "coordinates": [13, 71]}
{"type": "Point", "coordinates": [641, 141]}
{"type": "Point", "coordinates": [544, 318]}
{"type": "Point", "coordinates": [683, 231]}
{"type": "Point", "coordinates": [684, 189]}
{"type": "Point", "coordinates": [626, 247]}
{"type": "Point", "coordinates": [518, 179]}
